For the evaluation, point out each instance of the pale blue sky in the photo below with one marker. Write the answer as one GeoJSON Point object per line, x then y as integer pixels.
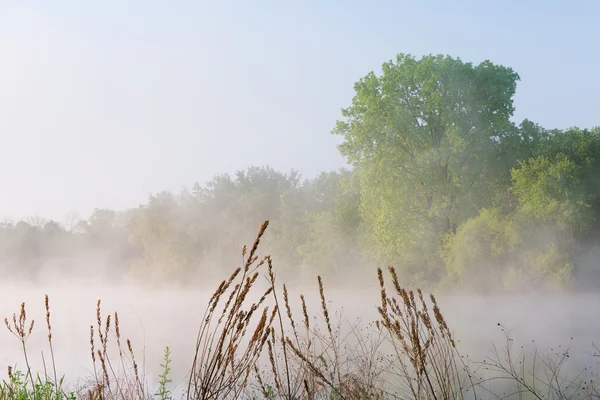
{"type": "Point", "coordinates": [101, 104]}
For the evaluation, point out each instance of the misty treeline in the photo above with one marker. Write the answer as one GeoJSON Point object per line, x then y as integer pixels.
{"type": "Point", "coordinates": [443, 185]}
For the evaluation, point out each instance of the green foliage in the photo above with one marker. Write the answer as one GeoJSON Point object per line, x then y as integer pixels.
{"type": "Point", "coordinates": [549, 268]}
{"type": "Point", "coordinates": [271, 394]}
{"type": "Point", "coordinates": [18, 388]}
{"type": "Point", "coordinates": [324, 249]}
{"type": "Point", "coordinates": [493, 248]}
{"type": "Point", "coordinates": [480, 250]}
{"type": "Point", "coordinates": [551, 190]}
{"type": "Point", "coordinates": [163, 393]}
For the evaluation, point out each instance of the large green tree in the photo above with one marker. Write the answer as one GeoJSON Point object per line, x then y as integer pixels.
{"type": "Point", "coordinates": [422, 135]}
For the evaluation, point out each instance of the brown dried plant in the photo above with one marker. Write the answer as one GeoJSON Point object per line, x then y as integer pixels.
{"type": "Point", "coordinates": [22, 332]}
{"type": "Point", "coordinates": [287, 380]}
{"type": "Point", "coordinates": [124, 382]}
{"type": "Point", "coordinates": [222, 361]}
{"type": "Point", "coordinates": [428, 364]}
{"type": "Point", "coordinates": [49, 326]}
{"type": "Point", "coordinates": [318, 364]}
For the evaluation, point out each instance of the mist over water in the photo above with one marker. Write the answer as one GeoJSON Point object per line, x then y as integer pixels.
{"type": "Point", "coordinates": [155, 318]}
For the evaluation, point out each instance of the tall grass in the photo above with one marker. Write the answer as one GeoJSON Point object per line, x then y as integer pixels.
{"type": "Point", "coordinates": [257, 343]}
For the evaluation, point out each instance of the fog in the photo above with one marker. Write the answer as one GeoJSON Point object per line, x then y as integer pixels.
{"type": "Point", "coordinates": [153, 319]}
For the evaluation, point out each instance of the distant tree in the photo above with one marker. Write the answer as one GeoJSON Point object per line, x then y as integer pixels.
{"type": "Point", "coordinates": [494, 252]}
{"type": "Point", "coordinates": [71, 220]}
{"type": "Point", "coordinates": [552, 190]}
{"type": "Point", "coordinates": [25, 251]}
{"type": "Point", "coordinates": [36, 221]}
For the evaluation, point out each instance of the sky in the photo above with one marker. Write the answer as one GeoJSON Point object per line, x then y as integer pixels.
{"type": "Point", "coordinates": [103, 103]}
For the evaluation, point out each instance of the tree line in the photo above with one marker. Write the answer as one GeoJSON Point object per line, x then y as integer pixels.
{"type": "Point", "coordinates": [443, 185]}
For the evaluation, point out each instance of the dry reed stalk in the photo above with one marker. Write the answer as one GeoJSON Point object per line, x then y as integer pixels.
{"type": "Point", "coordinates": [125, 383]}
{"type": "Point", "coordinates": [21, 332]}
{"type": "Point", "coordinates": [331, 336]}
{"type": "Point", "coordinates": [311, 374]}
{"type": "Point", "coordinates": [364, 375]}
{"type": "Point", "coordinates": [102, 351]}
{"type": "Point", "coordinates": [135, 368]}
{"type": "Point", "coordinates": [314, 369]}
{"type": "Point", "coordinates": [289, 383]}
{"type": "Point", "coordinates": [118, 340]}
{"type": "Point", "coordinates": [288, 393]}
{"type": "Point", "coordinates": [93, 353]}
{"type": "Point", "coordinates": [307, 350]}
{"type": "Point", "coordinates": [49, 325]}
{"type": "Point", "coordinates": [429, 363]}
{"type": "Point", "coordinates": [220, 364]}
